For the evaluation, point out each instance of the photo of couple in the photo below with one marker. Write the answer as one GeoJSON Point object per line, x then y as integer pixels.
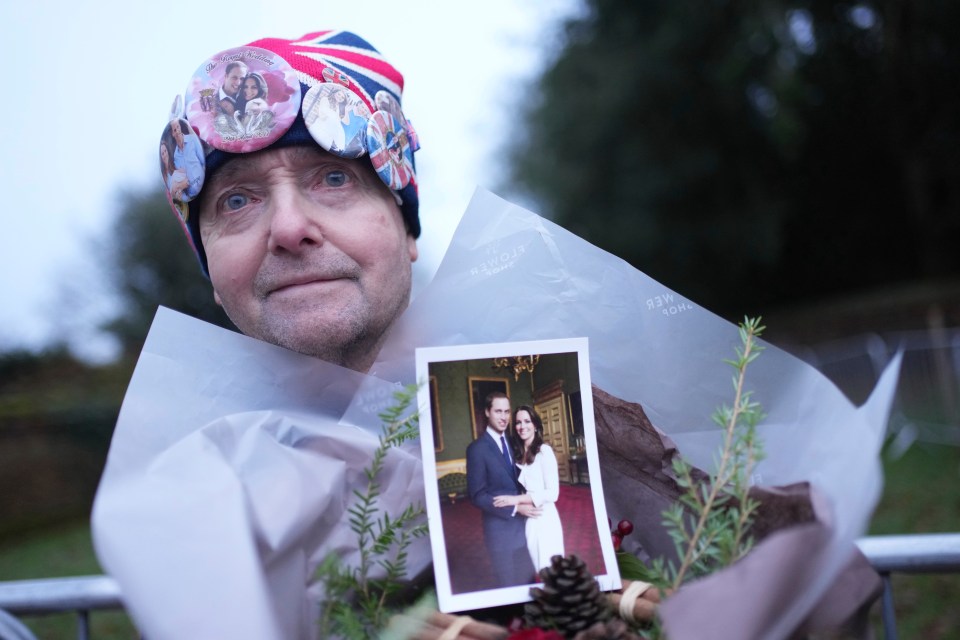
{"type": "Point", "coordinates": [511, 469]}
{"type": "Point", "coordinates": [513, 478]}
{"type": "Point", "coordinates": [242, 108]}
{"type": "Point", "coordinates": [337, 119]}
{"type": "Point", "coordinates": [243, 99]}
{"type": "Point", "coordinates": [181, 161]}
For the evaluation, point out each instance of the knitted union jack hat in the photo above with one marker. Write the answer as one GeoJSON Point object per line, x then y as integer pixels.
{"type": "Point", "coordinates": [329, 88]}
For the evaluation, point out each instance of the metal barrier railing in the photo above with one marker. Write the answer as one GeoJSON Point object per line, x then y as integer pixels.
{"type": "Point", "coordinates": [916, 553]}
{"type": "Point", "coordinates": [81, 594]}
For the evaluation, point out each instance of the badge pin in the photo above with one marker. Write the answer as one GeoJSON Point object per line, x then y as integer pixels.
{"type": "Point", "coordinates": [243, 99]}
{"type": "Point", "coordinates": [389, 148]}
{"type": "Point", "coordinates": [182, 163]}
{"type": "Point", "coordinates": [335, 75]}
{"type": "Point", "coordinates": [337, 118]}
{"type": "Point", "coordinates": [413, 137]}
{"type": "Point", "coordinates": [176, 108]}
{"type": "Point", "coordinates": [385, 101]}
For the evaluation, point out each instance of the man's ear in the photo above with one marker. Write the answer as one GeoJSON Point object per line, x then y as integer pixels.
{"type": "Point", "coordinates": [412, 248]}
{"type": "Point", "coordinates": [216, 298]}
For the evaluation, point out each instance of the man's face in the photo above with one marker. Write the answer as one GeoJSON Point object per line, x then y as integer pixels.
{"type": "Point", "coordinates": [231, 81]}
{"type": "Point", "coordinates": [498, 415]}
{"type": "Point", "coordinates": [308, 251]}
{"type": "Point", "coordinates": [177, 133]}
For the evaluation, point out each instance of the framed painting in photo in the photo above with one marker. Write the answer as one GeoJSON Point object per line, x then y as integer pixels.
{"type": "Point", "coordinates": [435, 416]}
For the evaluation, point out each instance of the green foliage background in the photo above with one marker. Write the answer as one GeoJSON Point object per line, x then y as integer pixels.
{"type": "Point", "coordinates": [754, 154]}
{"type": "Point", "coordinates": [149, 263]}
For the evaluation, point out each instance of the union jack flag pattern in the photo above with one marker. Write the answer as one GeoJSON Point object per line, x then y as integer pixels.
{"type": "Point", "coordinates": [338, 56]}
{"type": "Point", "coordinates": [389, 150]}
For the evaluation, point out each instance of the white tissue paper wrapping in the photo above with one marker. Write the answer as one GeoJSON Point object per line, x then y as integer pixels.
{"type": "Point", "coordinates": [233, 461]}
{"type": "Point", "coordinates": [512, 275]}
{"type": "Point", "coordinates": [230, 470]}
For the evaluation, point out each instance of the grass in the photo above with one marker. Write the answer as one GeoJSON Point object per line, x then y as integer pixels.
{"type": "Point", "coordinates": [921, 492]}
{"type": "Point", "coordinates": [921, 495]}
{"type": "Point", "coordinates": [66, 550]}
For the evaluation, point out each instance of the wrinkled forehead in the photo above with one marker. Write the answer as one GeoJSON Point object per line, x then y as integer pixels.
{"type": "Point", "coordinates": [259, 162]}
{"type": "Point", "coordinates": [240, 166]}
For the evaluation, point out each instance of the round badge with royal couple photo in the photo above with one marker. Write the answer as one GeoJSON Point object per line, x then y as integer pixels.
{"type": "Point", "coordinates": [176, 108]}
{"type": "Point", "coordinates": [337, 119]}
{"type": "Point", "coordinates": [182, 209]}
{"type": "Point", "coordinates": [386, 102]}
{"type": "Point", "coordinates": [182, 161]}
{"type": "Point", "coordinates": [243, 99]}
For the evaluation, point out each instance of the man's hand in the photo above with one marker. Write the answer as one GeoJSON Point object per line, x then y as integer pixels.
{"type": "Point", "coordinates": [506, 501]}
{"type": "Point", "coordinates": [529, 511]}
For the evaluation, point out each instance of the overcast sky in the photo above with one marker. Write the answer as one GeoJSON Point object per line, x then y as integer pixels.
{"type": "Point", "coordinates": [89, 86]}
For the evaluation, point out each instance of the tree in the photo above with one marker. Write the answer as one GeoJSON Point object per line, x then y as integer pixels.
{"type": "Point", "coordinates": [149, 263]}
{"type": "Point", "coordinates": [751, 154]}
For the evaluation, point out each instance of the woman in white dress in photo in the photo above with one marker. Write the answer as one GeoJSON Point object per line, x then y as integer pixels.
{"type": "Point", "coordinates": [541, 480]}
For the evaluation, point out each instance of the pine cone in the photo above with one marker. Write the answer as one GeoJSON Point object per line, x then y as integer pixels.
{"type": "Point", "coordinates": [569, 601]}
{"type": "Point", "coordinates": [614, 629]}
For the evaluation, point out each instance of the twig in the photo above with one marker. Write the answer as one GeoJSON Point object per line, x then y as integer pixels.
{"type": "Point", "coordinates": [748, 331]}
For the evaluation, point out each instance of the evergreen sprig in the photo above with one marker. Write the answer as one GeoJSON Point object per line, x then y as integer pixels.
{"type": "Point", "coordinates": [357, 604]}
{"type": "Point", "coordinates": [710, 522]}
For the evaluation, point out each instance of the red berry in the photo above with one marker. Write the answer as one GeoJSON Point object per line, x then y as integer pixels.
{"type": "Point", "coordinates": [516, 624]}
{"type": "Point", "coordinates": [617, 539]}
{"type": "Point", "coordinates": [625, 527]}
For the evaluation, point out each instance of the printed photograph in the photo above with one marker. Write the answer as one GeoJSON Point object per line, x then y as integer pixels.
{"type": "Point", "coordinates": [182, 162]}
{"type": "Point", "coordinates": [243, 99]}
{"type": "Point", "coordinates": [337, 119]}
{"type": "Point", "coordinates": [511, 469]}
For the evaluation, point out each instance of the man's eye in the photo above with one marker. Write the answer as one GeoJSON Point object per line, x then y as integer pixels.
{"type": "Point", "coordinates": [236, 201]}
{"type": "Point", "coordinates": [335, 178]}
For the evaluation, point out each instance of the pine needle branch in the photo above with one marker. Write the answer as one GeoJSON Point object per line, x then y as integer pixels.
{"type": "Point", "coordinates": [738, 455]}
{"type": "Point", "coordinates": [357, 604]}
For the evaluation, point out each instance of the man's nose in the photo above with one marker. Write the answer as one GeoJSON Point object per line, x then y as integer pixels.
{"type": "Point", "coordinates": [294, 225]}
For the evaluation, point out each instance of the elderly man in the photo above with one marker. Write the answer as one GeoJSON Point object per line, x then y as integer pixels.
{"type": "Point", "coordinates": [227, 504]}
{"type": "Point", "coordinates": [306, 246]}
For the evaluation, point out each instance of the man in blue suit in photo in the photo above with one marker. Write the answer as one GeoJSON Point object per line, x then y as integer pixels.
{"type": "Point", "coordinates": [492, 472]}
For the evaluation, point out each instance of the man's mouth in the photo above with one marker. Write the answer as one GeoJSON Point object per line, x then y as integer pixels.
{"type": "Point", "coordinates": [308, 281]}
{"type": "Point", "coordinates": [299, 283]}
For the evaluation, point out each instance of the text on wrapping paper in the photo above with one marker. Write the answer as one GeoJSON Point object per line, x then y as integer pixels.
{"type": "Point", "coordinates": [668, 304]}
